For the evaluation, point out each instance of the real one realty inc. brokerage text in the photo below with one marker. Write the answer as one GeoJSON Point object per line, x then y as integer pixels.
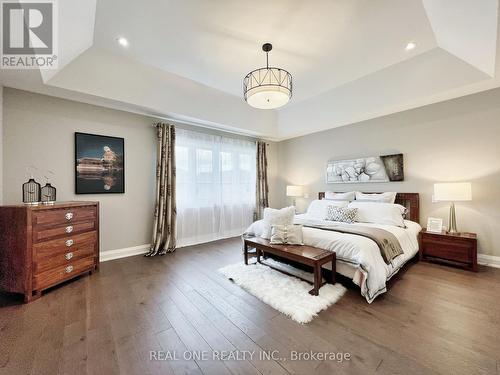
{"type": "Point", "coordinates": [246, 355]}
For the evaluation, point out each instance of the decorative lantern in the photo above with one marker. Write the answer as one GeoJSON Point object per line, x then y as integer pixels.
{"type": "Point", "coordinates": [31, 192]}
{"type": "Point", "coordinates": [48, 194]}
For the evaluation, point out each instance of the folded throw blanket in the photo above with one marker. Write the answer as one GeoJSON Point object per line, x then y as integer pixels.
{"type": "Point", "coordinates": [387, 242]}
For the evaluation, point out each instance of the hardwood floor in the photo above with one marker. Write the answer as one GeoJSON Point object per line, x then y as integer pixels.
{"type": "Point", "coordinates": [434, 319]}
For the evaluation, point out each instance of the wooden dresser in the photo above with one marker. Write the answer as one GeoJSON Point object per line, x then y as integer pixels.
{"type": "Point", "coordinates": [41, 246]}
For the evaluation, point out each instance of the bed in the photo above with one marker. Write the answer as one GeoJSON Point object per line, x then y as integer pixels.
{"type": "Point", "coordinates": [358, 257]}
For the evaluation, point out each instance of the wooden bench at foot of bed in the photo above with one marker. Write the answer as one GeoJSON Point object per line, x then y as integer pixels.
{"type": "Point", "coordinates": [306, 255]}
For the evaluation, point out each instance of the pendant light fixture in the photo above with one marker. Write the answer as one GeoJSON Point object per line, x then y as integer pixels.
{"type": "Point", "coordinates": [267, 88]}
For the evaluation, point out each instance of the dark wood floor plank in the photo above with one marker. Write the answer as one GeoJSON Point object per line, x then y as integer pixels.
{"type": "Point", "coordinates": [21, 337]}
{"type": "Point", "coordinates": [265, 310]}
{"type": "Point", "coordinates": [74, 351]}
{"type": "Point", "coordinates": [102, 358]}
{"type": "Point", "coordinates": [173, 347]}
{"type": "Point", "coordinates": [128, 358]}
{"type": "Point", "coordinates": [209, 265]}
{"type": "Point", "coordinates": [192, 339]}
{"type": "Point", "coordinates": [236, 336]}
{"type": "Point", "coordinates": [219, 344]}
{"type": "Point", "coordinates": [145, 343]}
{"type": "Point", "coordinates": [148, 307]}
{"type": "Point", "coordinates": [409, 340]}
{"type": "Point", "coordinates": [48, 356]}
{"type": "Point", "coordinates": [434, 319]}
{"type": "Point", "coordinates": [251, 327]}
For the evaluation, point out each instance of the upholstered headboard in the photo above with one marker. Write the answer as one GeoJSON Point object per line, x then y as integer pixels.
{"type": "Point", "coordinates": [409, 200]}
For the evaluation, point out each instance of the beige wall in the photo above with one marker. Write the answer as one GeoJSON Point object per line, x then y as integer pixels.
{"type": "Point", "coordinates": [273, 177]}
{"type": "Point", "coordinates": [1, 143]}
{"type": "Point", "coordinates": [458, 140]}
{"type": "Point", "coordinates": [39, 130]}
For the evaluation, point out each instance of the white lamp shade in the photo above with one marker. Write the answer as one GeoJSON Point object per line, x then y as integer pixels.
{"type": "Point", "coordinates": [294, 191]}
{"type": "Point", "coordinates": [268, 97]}
{"type": "Point", "coordinates": [453, 192]}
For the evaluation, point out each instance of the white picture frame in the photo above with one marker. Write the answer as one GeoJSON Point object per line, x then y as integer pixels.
{"type": "Point", "coordinates": [434, 225]}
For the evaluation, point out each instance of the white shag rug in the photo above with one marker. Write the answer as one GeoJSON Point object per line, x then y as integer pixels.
{"type": "Point", "coordinates": [286, 294]}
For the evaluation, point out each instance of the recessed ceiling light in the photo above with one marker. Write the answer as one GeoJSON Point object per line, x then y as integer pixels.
{"type": "Point", "coordinates": [122, 41]}
{"type": "Point", "coordinates": [410, 46]}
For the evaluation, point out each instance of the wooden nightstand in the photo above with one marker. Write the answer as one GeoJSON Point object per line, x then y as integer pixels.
{"type": "Point", "coordinates": [459, 249]}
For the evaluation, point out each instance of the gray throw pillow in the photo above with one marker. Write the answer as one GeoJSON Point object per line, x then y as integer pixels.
{"type": "Point", "coordinates": [342, 214]}
{"type": "Point", "coordinates": [286, 234]}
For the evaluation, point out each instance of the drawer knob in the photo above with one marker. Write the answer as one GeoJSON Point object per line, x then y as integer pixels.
{"type": "Point", "coordinates": [69, 229]}
{"type": "Point", "coordinates": [69, 243]}
{"type": "Point", "coordinates": [68, 256]}
{"type": "Point", "coordinates": [69, 215]}
{"type": "Point", "coordinates": [69, 269]}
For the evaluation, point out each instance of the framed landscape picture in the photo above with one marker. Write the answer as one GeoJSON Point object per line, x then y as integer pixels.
{"type": "Point", "coordinates": [99, 164]}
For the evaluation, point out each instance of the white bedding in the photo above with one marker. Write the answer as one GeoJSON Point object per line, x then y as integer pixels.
{"type": "Point", "coordinates": [358, 257]}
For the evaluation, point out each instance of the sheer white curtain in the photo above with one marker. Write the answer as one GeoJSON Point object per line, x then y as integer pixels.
{"type": "Point", "coordinates": [216, 179]}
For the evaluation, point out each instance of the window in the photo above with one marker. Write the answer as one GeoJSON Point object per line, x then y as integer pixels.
{"type": "Point", "coordinates": [215, 186]}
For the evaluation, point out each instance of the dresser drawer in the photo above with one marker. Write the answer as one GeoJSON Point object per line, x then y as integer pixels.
{"type": "Point", "coordinates": [56, 275]}
{"type": "Point", "coordinates": [453, 250]}
{"type": "Point", "coordinates": [65, 231]}
{"type": "Point", "coordinates": [61, 216]}
{"type": "Point", "coordinates": [54, 253]}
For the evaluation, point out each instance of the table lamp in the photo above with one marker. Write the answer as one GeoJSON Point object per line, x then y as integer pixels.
{"type": "Point", "coordinates": [452, 192]}
{"type": "Point", "coordinates": [294, 192]}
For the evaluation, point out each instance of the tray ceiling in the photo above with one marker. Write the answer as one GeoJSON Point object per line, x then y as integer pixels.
{"type": "Point", "coordinates": [186, 59]}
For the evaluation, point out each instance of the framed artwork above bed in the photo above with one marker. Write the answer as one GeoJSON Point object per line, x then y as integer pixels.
{"type": "Point", "coordinates": [385, 168]}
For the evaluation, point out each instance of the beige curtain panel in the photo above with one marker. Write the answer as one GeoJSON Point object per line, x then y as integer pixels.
{"type": "Point", "coordinates": [164, 225]}
{"type": "Point", "coordinates": [262, 190]}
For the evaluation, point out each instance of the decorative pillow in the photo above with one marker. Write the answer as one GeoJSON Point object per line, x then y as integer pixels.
{"type": "Point", "coordinates": [388, 197]}
{"type": "Point", "coordinates": [276, 217]}
{"type": "Point", "coordinates": [380, 213]}
{"type": "Point", "coordinates": [349, 196]}
{"type": "Point", "coordinates": [342, 214]}
{"type": "Point", "coordinates": [286, 234]}
{"type": "Point", "coordinates": [318, 208]}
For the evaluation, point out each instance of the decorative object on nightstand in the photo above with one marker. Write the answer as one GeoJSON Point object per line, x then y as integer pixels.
{"type": "Point", "coordinates": [458, 249]}
{"type": "Point", "coordinates": [434, 225]}
{"type": "Point", "coordinates": [294, 192]}
{"type": "Point", "coordinates": [452, 192]}
{"type": "Point", "coordinates": [42, 246]}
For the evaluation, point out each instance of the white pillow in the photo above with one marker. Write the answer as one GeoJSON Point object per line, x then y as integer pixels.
{"type": "Point", "coordinates": [286, 234]}
{"type": "Point", "coordinates": [349, 196]}
{"type": "Point", "coordinates": [389, 197]}
{"type": "Point", "coordinates": [273, 216]}
{"type": "Point", "coordinates": [380, 213]}
{"type": "Point", "coordinates": [342, 214]}
{"type": "Point", "coordinates": [318, 208]}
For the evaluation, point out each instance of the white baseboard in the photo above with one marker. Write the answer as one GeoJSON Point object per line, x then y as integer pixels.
{"type": "Point", "coordinates": [123, 253]}
{"type": "Point", "coordinates": [488, 260]}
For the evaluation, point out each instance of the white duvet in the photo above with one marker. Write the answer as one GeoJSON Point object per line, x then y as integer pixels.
{"type": "Point", "coordinates": [371, 272]}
